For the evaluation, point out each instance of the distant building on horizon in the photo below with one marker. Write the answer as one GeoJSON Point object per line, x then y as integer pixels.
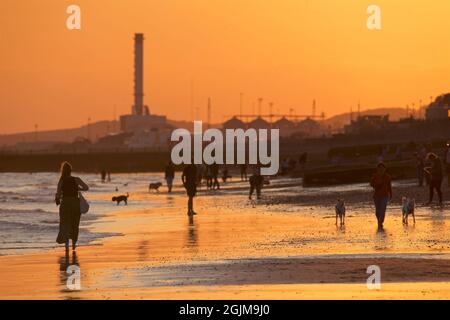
{"type": "Point", "coordinates": [234, 123]}
{"type": "Point", "coordinates": [439, 109]}
{"type": "Point", "coordinates": [305, 128]}
{"type": "Point", "coordinates": [140, 118]}
{"type": "Point", "coordinates": [286, 126]}
{"type": "Point", "coordinates": [259, 123]}
{"type": "Point", "coordinates": [367, 124]}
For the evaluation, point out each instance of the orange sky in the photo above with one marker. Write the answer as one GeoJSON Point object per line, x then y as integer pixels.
{"type": "Point", "coordinates": [286, 51]}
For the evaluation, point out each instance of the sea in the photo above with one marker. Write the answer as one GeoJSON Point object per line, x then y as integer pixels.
{"type": "Point", "coordinates": [29, 217]}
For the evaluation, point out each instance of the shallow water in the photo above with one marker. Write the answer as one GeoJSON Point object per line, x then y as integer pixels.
{"type": "Point", "coordinates": [29, 217]}
{"type": "Point", "coordinates": [232, 241]}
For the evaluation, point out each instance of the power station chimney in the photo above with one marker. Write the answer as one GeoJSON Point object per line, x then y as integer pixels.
{"type": "Point", "coordinates": [138, 107]}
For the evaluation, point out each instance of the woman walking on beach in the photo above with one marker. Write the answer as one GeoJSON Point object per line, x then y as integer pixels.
{"type": "Point", "coordinates": [189, 179]}
{"type": "Point", "coordinates": [381, 183]}
{"type": "Point", "coordinates": [435, 174]}
{"type": "Point", "coordinates": [67, 199]}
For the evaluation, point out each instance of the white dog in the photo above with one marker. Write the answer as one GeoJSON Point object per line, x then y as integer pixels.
{"type": "Point", "coordinates": [408, 208]}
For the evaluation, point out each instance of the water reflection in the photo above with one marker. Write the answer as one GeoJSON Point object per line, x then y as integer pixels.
{"type": "Point", "coordinates": [192, 236]}
{"type": "Point", "coordinates": [143, 250]}
{"type": "Point", "coordinates": [64, 263]}
{"type": "Point", "coordinates": [409, 227]}
{"type": "Point", "coordinates": [381, 239]}
{"type": "Point", "coordinates": [340, 228]}
{"type": "Point", "coordinates": [437, 217]}
{"type": "Point", "coordinates": [170, 200]}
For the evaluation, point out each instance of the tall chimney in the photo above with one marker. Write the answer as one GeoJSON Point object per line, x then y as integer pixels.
{"type": "Point", "coordinates": [138, 108]}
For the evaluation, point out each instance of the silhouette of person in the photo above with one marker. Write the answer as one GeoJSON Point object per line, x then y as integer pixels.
{"type": "Point", "coordinates": [103, 175]}
{"type": "Point", "coordinates": [256, 183]}
{"type": "Point", "coordinates": [243, 172]}
{"type": "Point", "coordinates": [189, 179]}
{"type": "Point", "coordinates": [225, 175]}
{"type": "Point", "coordinates": [67, 198]}
{"type": "Point", "coordinates": [381, 183]}
{"type": "Point", "coordinates": [215, 175]}
{"type": "Point", "coordinates": [169, 174]}
{"type": "Point", "coordinates": [420, 165]}
{"type": "Point", "coordinates": [209, 177]}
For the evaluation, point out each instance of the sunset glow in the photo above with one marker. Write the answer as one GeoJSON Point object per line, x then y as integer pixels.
{"type": "Point", "coordinates": [289, 52]}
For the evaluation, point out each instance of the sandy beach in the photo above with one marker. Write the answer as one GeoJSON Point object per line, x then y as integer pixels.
{"type": "Point", "coordinates": [285, 246]}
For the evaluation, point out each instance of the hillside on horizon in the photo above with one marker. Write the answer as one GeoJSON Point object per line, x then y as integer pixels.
{"type": "Point", "coordinates": [93, 132]}
{"type": "Point", "coordinates": [339, 121]}
{"type": "Point", "coordinates": [102, 128]}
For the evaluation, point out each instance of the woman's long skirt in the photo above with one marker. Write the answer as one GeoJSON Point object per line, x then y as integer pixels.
{"type": "Point", "coordinates": [69, 220]}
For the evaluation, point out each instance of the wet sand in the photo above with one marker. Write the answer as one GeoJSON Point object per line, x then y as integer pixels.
{"type": "Point", "coordinates": [278, 248]}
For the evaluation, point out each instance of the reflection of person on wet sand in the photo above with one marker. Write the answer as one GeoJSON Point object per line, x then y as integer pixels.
{"type": "Point", "coordinates": [381, 240]}
{"type": "Point", "coordinates": [192, 233]}
{"type": "Point", "coordinates": [66, 198]}
{"type": "Point", "coordinates": [64, 264]}
{"type": "Point", "coordinates": [189, 179]}
{"type": "Point", "coordinates": [381, 183]}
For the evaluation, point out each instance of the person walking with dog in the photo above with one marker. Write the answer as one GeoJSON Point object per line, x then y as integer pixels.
{"type": "Point", "coordinates": [436, 175]}
{"type": "Point", "coordinates": [381, 182]}
{"type": "Point", "coordinates": [67, 198]}
{"type": "Point", "coordinates": [169, 175]}
{"type": "Point", "coordinates": [189, 179]}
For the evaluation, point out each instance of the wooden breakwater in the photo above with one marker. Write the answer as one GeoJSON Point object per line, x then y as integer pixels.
{"type": "Point", "coordinates": [361, 173]}
{"type": "Point", "coordinates": [121, 161]}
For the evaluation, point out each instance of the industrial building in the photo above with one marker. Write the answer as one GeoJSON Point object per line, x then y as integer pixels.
{"type": "Point", "coordinates": [141, 118]}
{"type": "Point", "coordinates": [306, 127]}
